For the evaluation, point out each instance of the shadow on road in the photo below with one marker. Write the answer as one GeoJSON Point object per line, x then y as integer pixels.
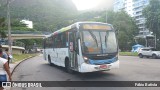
{"type": "Point", "coordinates": [91, 76]}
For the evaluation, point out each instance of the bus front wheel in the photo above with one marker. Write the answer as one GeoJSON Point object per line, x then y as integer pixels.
{"type": "Point", "coordinates": [67, 66]}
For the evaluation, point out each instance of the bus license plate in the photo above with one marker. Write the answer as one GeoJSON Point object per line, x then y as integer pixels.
{"type": "Point", "coordinates": [103, 67]}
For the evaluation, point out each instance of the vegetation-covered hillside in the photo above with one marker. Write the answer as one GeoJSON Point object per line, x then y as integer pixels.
{"type": "Point", "coordinates": [46, 14]}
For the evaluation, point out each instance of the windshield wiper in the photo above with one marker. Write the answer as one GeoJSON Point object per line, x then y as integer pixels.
{"type": "Point", "coordinates": [94, 37]}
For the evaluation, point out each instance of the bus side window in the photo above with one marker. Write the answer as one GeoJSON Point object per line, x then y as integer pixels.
{"type": "Point", "coordinates": [73, 45]}
{"type": "Point", "coordinates": [55, 41]}
{"type": "Point", "coordinates": [44, 43]}
{"type": "Point", "coordinates": [50, 42]}
{"type": "Point", "coordinates": [63, 40]}
{"type": "Point", "coordinates": [47, 43]}
{"type": "Point", "coordinates": [66, 38]}
{"type": "Point", "coordinates": [60, 40]}
{"type": "Point", "coordinates": [76, 39]}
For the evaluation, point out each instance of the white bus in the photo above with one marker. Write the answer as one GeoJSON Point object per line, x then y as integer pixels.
{"type": "Point", "coordinates": [83, 47]}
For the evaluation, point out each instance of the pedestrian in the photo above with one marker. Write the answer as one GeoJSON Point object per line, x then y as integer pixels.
{"type": "Point", "coordinates": [4, 70]}
{"type": "Point", "coordinates": [8, 55]}
{"type": "Point", "coordinates": [4, 54]}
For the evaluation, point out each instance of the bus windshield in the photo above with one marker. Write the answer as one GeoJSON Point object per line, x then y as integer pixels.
{"type": "Point", "coordinates": [98, 42]}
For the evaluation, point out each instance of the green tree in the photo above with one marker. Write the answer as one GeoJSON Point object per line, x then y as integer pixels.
{"type": "Point", "coordinates": [2, 25]}
{"type": "Point", "coordinates": [15, 25]}
{"type": "Point", "coordinates": [152, 15]}
{"type": "Point", "coordinates": [124, 25]}
{"type": "Point", "coordinates": [30, 42]}
{"type": "Point", "coordinates": [127, 29]}
{"type": "Point", "coordinates": [47, 15]}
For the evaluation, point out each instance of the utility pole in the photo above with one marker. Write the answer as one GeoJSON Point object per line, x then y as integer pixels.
{"type": "Point", "coordinates": [155, 38]}
{"type": "Point", "coordinates": [106, 15]}
{"type": "Point", "coordinates": [9, 28]}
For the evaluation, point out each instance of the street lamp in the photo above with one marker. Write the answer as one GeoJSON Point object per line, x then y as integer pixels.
{"type": "Point", "coordinates": [155, 38]}
{"type": "Point", "coordinates": [9, 27]}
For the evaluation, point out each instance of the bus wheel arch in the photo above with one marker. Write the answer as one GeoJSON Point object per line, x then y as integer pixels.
{"type": "Point", "coordinates": [67, 65]}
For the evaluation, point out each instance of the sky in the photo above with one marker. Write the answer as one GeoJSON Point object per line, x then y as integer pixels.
{"type": "Point", "coordinates": [90, 4]}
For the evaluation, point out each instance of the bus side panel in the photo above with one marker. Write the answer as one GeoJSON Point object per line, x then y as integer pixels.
{"type": "Point", "coordinates": [49, 53]}
{"type": "Point", "coordinates": [54, 56]}
{"type": "Point", "coordinates": [61, 54]}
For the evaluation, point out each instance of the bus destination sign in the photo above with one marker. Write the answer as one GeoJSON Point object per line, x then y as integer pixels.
{"type": "Point", "coordinates": [96, 27]}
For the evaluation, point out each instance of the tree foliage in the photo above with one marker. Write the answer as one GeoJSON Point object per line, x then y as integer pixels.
{"type": "Point", "coordinates": [51, 15]}
{"type": "Point", "coordinates": [29, 43]}
{"type": "Point", "coordinates": [2, 25]}
{"type": "Point", "coordinates": [15, 25]}
{"type": "Point", "coordinates": [47, 15]}
{"type": "Point", "coordinates": [122, 22]}
{"type": "Point", "coordinates": [152, 15]}
{"type": "Point", "coordinates": [126, 28]}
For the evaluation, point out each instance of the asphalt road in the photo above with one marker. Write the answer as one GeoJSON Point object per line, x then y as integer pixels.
{"type": "Point", "coordinates": [131, 69]}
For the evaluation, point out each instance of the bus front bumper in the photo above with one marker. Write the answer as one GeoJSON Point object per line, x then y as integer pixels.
{"type": "Point", "coordinates": [93, 68]}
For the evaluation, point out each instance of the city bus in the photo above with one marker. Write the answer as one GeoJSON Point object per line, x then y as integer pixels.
{"type": "Point", "coordinates": [83, 47]}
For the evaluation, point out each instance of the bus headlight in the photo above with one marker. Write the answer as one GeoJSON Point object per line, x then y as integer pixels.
{"type": "Point", "coordinates": [85, 59]}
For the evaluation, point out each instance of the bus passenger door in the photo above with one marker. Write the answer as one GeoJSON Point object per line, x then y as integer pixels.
{"type": "Point", "coordinates": [73, 50]}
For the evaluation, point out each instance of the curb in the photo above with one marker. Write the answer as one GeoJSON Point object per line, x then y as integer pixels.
{"type": "Point", "coordinates": [21, 62]}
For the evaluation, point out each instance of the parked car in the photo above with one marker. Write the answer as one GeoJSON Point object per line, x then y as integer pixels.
{"type": "Point", "coordinates": [149, 52]}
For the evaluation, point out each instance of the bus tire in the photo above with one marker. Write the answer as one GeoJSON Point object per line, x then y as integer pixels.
{"type": "Point", "coordinates": [49, 60]}
{"type": "Point", "coordinates": [67, 66]}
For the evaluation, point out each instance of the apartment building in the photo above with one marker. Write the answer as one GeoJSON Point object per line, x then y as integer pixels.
{"type": "Point", "coordinates": [134, 9]}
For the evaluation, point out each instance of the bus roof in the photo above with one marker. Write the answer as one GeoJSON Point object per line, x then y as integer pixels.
{"type": "Point", "coordinates": [73, 25]}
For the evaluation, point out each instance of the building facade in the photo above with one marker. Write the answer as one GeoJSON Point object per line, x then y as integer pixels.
{"type": "Point", "coordinates": [134, 9]}
{"type": "Point", "coordinates": [28, 23]}
{"type": "Point", "coordinates": [138, 6]}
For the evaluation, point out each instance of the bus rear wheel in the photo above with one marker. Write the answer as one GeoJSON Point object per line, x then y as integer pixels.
{"type": "Point", "coordinates": [67, 66]}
